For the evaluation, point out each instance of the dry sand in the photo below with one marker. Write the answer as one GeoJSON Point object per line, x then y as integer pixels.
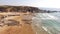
{"type": "Point", "coordinates": [22, 29]}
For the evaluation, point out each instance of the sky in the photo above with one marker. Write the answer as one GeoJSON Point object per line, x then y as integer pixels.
{"type": "Point", "coordinates": [36, 3]}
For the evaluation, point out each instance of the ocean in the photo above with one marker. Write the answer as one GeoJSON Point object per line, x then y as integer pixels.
{"type": "Point", "coordinates": [50, 22]}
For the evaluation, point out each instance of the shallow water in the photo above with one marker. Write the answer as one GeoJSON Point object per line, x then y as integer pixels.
{"type": "Point", "coordinates": [50, 22]}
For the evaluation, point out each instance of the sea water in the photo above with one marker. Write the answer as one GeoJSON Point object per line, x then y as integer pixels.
{"type": "Point", "coordinates": [50, 22]}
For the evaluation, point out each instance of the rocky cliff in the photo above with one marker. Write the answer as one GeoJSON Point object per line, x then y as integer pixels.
{"type": "Point", "coordinates": [18, 9]}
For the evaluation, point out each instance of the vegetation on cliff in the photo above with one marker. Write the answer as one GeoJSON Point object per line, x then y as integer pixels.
{"type": "Point", "coordinates": [18, 9]}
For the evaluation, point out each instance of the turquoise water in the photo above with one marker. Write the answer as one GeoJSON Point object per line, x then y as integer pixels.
{"type": "Point", "coordinates": [51, 21]}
